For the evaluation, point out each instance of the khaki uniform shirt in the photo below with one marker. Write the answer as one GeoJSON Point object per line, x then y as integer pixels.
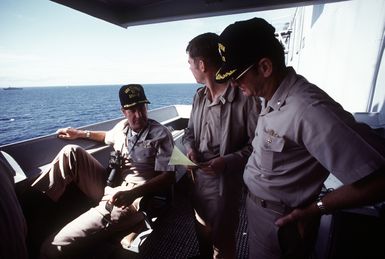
{"type": "Point", "coordinates": [301, 136]}
{"type": "Point", "coordinates": [236, 126]}
{"type": "Point", "coordinates": [150, 153]}
{"type": "Point", "coordinates": [211, 121]}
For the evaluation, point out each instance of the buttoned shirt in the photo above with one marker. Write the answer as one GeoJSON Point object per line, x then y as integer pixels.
{"type": "Point", "coordinates": [303, 135]}
{"type": "Point", "coordinates": [238, 117]}
{"type": "Point", "coordinates": [211, 122]}
{"type": "Point", "coordinates": [148, 151]}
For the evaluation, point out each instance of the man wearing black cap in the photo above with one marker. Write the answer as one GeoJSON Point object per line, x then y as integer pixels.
{"type": "Point", "coordinates": [302, 136]}
{"type": "Point", "coordinates": [146, 147]}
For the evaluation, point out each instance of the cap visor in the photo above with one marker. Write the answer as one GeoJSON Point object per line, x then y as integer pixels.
{"type": "Point", "coordinates": [224, 74]}
{"type": "Point", "coordinates": [244, 71]}
{"type": "Point", "coordinates": [127, 106]}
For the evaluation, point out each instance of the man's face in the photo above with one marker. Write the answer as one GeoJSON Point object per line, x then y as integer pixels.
{"type": "Point", "coordinates": [195, 70]}
{"type": "Point", "coordinates": [251, 83]}
{"type": "Point", "coordinates": [136, 116]}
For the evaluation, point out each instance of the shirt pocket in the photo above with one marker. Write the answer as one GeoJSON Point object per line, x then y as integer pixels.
{"type": "Point", "coordinates": [271, 148]}
{"type": "Point", "coordinates": [145, 152]}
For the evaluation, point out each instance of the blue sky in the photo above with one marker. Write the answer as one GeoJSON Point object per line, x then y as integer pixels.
{"type": "Point", "coordinates": [46, 44]}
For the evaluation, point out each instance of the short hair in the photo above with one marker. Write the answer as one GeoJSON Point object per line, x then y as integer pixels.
{"type": "Point", "coordinates": [205, 46]}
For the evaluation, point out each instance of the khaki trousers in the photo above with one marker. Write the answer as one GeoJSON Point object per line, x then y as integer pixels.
{"type": "Point", "coordinates": [74, 164]}
{"type": "Point", "coordinates": [217, 213]}
{"type": "Point", "coordinates": [267, 241]}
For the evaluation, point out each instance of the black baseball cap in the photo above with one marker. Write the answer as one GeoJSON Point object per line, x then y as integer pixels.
{"type": "Point", "coordinates": [131, 95]}
{"type": "Point", "coordinates": [241, 44]}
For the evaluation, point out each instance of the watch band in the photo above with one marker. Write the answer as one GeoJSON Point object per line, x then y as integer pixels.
{"type": "Point", "coordinates": [88, 134]}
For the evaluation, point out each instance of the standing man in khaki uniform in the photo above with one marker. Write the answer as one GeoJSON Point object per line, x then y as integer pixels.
{"type": "Point", "coordinates": [146, 147]}
{"type": "Point", "coordinates": [218, 138]}
{"type": "Point", "coordinates": [302, 136]}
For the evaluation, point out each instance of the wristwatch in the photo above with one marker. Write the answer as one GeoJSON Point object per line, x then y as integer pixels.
{"type": "Point", "coordinates": [88, 134]}
{"type": "Point", "coordinates": [321, 206]}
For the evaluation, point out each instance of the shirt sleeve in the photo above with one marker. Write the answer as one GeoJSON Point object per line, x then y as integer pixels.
{"type": "Point", "coordinates": [112, 134]}
{"type": "Point", "coordinates": [188, 138]}
{"type": "Point", "coordinates": [344, 147]}
{"type": "Point", "coordinates": [164, 150]}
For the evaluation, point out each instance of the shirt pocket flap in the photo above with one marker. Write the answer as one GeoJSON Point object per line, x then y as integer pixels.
{"type": "Point", "coordinates": [272, 142]}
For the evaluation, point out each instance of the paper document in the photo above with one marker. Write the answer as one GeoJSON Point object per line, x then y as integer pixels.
{"type": "Point", "coordinates": [178, 158]}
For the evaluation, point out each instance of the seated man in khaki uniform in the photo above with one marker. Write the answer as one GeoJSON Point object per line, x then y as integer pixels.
{"type": "Point", "coordinates": [146, 147]}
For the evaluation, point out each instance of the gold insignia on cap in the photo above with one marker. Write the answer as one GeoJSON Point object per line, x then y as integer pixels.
{"type": "Point", "coordinates": [222, 49]}
{"type": "Point", "coordinates": [132, 91]}
{"type": "Point", "coordinates": [225, 75]}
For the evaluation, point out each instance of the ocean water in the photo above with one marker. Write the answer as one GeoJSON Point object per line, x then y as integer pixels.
{"type": "Point", "coordinates": [38, 111]}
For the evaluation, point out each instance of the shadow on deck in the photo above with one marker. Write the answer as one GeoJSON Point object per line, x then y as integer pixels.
{"type": "Point", "coordinates": [174, 235]}
{"type": "Point", "coordinates": [347, 235]}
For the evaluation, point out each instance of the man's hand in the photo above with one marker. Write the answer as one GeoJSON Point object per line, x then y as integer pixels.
{"type": "Point", "coordinates": [295, 215]}
{"type": "Point", "coordinates": [302, 216]}
{"type": "Point", "coordinates": [123, 198]}
{"type": "Point", "coordinates": [214, 166]}
{"type": "Point", "coordinates": [69, 133]}
{"type": "Point", "coordinates": [192, 155]}
{"type": "Point", "coordinates": [127, 164]}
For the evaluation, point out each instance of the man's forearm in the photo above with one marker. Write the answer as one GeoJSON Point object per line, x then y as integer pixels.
{"type": "Point", "coordinates": [94, 135]}
{"type": "Point", "coordinates": [367, 191]}
{"type": "Point", "coordinates": [156, 184]}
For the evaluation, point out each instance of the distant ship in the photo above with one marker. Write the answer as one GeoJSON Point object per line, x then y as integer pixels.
{"type": "Point", "coordinates": [13, 88]}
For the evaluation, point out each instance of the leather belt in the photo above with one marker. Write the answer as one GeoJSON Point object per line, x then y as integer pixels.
{"type": "Point", "coordinates": [279, 207]}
